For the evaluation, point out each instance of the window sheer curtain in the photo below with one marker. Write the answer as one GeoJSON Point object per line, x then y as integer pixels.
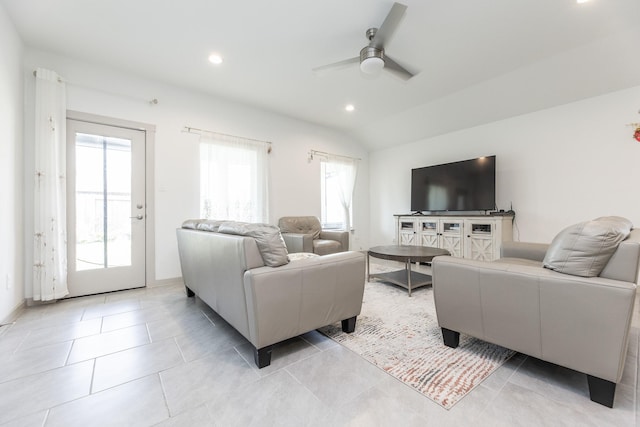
{"type": "Point", "coordinates": [234, 178]}
{"type": "Point", "coordinates": [50, 198]}
{"type": "Point", "coordinates": [344, 171]}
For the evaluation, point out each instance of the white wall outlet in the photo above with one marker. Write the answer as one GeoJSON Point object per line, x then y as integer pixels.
{"type": "Point", "coordinates": [8, 281]}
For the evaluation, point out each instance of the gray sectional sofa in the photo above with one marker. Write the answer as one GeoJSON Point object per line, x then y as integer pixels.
{"type": "Point", "coordinates": [553, 302]}
{"type": "Point", "coordinates": [243, 272]}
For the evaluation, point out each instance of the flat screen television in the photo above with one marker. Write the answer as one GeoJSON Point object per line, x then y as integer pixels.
{"type": "Point", "coordinates": [468, 185]}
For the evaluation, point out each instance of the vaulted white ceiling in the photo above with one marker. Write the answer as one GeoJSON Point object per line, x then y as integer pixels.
{"type": "Point", "coordinates": [478, 61]}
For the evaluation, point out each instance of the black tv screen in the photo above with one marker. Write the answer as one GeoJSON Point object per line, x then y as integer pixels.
{"type": "Point", "coordinates": [469, 185]}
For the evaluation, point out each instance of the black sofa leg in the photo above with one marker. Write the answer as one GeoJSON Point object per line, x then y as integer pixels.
{"type": "Point", "coordinates": [601, 391]}
{"type": "Point", "coordinates": [190, 293]}
{"type": "Point", "coordinates": [349, 325]}
{"type": "Point", "coordinates": [262, 356]}
{"type": "Point", "coordinates": [450, 338]}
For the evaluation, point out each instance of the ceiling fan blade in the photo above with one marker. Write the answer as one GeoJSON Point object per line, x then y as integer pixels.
{"type": "Point", "coordinates": [397, 69]}
{"type": "Point", "coordinates": [389, 25]}
{"type": "Point", "coordinates": [339, 64]}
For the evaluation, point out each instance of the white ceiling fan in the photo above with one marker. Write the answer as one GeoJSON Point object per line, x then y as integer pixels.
{"type": "Point", "coordinates": [372, 57]}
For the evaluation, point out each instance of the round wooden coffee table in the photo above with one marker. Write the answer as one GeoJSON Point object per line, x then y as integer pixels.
{"type": "Point", "coordinates": [408, 254]}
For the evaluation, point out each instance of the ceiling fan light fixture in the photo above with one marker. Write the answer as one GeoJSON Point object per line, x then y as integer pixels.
{"type": "Point", "coordinates": [372, 65]}
{"type": "Point", "coordinates": [371, 60]}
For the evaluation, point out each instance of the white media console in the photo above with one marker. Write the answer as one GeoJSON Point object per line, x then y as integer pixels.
{"type": "Point", "coordinates": [475, 236]}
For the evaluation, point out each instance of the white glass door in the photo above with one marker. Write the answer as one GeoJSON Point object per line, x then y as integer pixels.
{"type": "Point", "coordinates": [105, 208]}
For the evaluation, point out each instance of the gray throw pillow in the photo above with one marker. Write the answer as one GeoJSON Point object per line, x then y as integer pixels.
{"type": "Point", "coordinates": [191, 223]}
{"type": "Point", "coordinates": [584, 249]}
{"type": "Point", "coordinates": [209, 225]}
{"type": "Point", "coordinates": [268, 238]}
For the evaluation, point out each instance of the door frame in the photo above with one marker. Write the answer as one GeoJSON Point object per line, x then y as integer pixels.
{"type": "Point", "coordinates": [150, 134]}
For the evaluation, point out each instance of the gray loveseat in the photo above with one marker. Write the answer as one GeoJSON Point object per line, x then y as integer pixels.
{"type": "Point", "coordinates": [231, 273]}
{"type": "Point", "coordinates": [578, 322]}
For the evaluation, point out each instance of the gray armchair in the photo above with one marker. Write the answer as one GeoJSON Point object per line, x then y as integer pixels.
{"type": "Point", "coordinates": [521, 303]}
{"type": "Point", "coordinates": [304, 234]}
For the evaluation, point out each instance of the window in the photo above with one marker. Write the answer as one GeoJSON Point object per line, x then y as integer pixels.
{"type": "Point", "coordinates": [233, 179]}
{"type": "Point", "coordinates": [338, 177]}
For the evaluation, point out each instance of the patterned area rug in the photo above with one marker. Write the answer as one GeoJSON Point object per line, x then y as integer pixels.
{"type": "Point", "coordinates": [400, 335]}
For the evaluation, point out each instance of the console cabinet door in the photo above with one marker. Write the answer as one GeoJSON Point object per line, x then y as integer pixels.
{"type": "Point", "coordinates": [480, 240]}
{"type": "Point", "coordinates": [407, 232]}
{"type": "Point", "coordinates": [428, 232]}
{"type": "Point", "coordinates": [451, 236]}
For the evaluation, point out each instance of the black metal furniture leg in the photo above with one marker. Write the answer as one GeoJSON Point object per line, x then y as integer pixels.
{"type": "Point", "coordinates": [262, 356]}
{"type": "Point", "coordinates": [601, 391]}
{"type": "Point", "coordinates": [450, 338]}
{"type": "Point", "coordinates": [349, 325]}
{"type": "Point", "coordinates": [190, 293]}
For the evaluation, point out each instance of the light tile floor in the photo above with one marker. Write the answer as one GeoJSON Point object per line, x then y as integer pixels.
{"type": "Point", "coordinates": [155, 357]}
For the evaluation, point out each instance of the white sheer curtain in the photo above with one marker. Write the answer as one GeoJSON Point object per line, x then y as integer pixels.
{"type": "Point", "coordinates": [343, 171]}
{"type": "Point", "coordinates": [50, 199]}
{"type": "Point", "coordinates": [234, 178]}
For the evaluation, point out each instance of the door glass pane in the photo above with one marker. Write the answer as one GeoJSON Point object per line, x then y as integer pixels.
{"type": "Point", "coordinates": [103, 202]}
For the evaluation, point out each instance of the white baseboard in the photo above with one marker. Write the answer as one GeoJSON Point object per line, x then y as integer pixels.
{"type": "Point", "coordinates": [12, 316]}
{"type": "Point", "coordinates": [165, 282]}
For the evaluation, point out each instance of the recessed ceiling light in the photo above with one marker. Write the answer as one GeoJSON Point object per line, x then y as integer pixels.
{"type": "Point", "coordinates": [215, 58]}
{"type": "Point", "coordinates": [581, 1]}
{"type": "Point", "coordinates": [349, 107]}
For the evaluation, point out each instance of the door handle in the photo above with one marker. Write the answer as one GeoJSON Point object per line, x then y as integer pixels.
{"type": "Point", "coordinates": [139, 216]}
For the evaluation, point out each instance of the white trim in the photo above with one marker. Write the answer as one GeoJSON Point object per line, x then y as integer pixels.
{"type": "Point", "coordinates": [150, 134]}
{"type": "Point", "coordinates": [14, 314]}
{"type": "Point", "coordinates": [166, 282]}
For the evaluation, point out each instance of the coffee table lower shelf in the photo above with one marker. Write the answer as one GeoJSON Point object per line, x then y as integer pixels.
{"type": "Point", "coordinates": [399, 277]}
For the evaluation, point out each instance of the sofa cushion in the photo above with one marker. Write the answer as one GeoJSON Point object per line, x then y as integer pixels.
{"type": "Point", "coordinates": [325, 247]}
{"type": "Point", "coordinates": [301, 255]}
{"type": "Point", "coordinates": [584, 249]}
{"type": "Point", "coordinates": [267, 237]}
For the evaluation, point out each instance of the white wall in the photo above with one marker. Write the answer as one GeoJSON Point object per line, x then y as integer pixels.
{"type": "Point", "coordinates": [11, 205]}
{"type": "Point", "coordinates": [557, 166]}
{"type": "Point", "coordinates": [295, 183]}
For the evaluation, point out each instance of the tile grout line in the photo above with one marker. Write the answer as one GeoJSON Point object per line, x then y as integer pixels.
{"type": "Point", "coordinates": [164, 395]}
{"type": "Point", "coordinates": [93, 376]}
{"type": "Point", "coordinates": [184, 359]}
{"type": "Point", "coordinates": [497, 393]}
{"type": "Point", "coordinates": [146, 325]}
{"type": "Point", "coordinates": [46, 417]}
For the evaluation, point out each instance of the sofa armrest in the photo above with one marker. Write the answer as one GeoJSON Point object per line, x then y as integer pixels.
{"type": "Point", "coordinates": [293, 299]}
{"type": "Point", "coordinates": [577, 322]}
{"type": "Point", "coordinates": [297, 242]}
{"type": "Point", "coordinates": [531, 251]}
{"type": "Point", "coordinates": [339, 235]}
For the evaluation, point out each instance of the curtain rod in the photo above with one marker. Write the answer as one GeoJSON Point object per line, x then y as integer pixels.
{"type": "Point", "coordinates": [60, 79]}
{"type": "Point", "coordinates": [151, 102]}
{"type": "Point", "coordinates": [325, 154]}
{"type": "Point", "coordinates": [197, 131]}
